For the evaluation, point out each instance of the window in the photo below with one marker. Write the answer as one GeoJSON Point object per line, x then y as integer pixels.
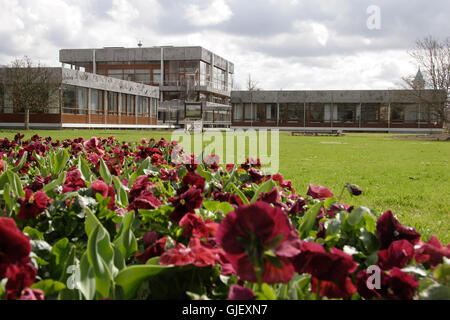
{"type": "Point", "coordinates": [248, 112]}
{"type": "Point", "coordinates": [397, 112]}
{"type": "Point", "coordinates": [112, 102]}
{"type": "Point", "coordinates": [345, 112]}
{"type": "Point", "coordinates": [130, 104]}
{"type": "Point", "coordinates": [123, 104]}
{"type": "Point", "coordinates": [115, 73]}
{"type": "Point", "coordinates": [69, 99]}
{"type": "Point", "coordinates": [260, 116]}
{"type": "Point", "coordinates": [82, 94]}
{"type": "Point", "coordinates": [129, 75]}
{"type": "Point", "coordinates": [316, 112]}
{"type": "Point", "coordinates": [370, 113]}
{"type": "Point", "coordinates": [424, 114]}
{"type": "Point", "coordinates": [156, 76]}
{"type": "Point", "coordinates": [295, 112]}
{"type": "Point", "coordinates": [143, 76]}
{"type": "Point", "coordinates": [238, 112]}
{"type": "Point", "coordinates": [139, 105]}
{"type": "Point", "coordinates": [271, 112]}
{"type": "Point", "coordinates": [282, 112]}
{"type": "Point", "coordinates": [411, 112]}
{"type": "Point", "coordinates": [145, 106]}
{"type": "Point", "coordinates": [154, 107]}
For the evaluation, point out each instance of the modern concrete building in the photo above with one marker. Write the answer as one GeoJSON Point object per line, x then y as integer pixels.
{"type": "Point", "coordinates": [194, 82]}
{"type": "Point", "coordinates": [86, 100]}
{"type": "Point", "coordinates": [357, 110]}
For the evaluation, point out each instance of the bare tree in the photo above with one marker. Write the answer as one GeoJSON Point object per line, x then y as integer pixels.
{"type": "Point", "coordinates": [433, 59]}
{"type": "Point", "coordinates": [31, 86]}
{"type": "Point", "coordinates": [252, 85]}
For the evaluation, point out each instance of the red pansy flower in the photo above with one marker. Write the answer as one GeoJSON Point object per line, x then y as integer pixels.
{"type": "Point", "coordinates": [73, 181]}
{"type": "Point", "coordinates": [432, 252]}
{"type": "Point", "coordinates": [399, 254]}
{"type": "Point", "coordinates": [187, 202]}
{"type": "Point", "coordinates": [319, 192]}
{"type": "Point", "coordinates": [241, 293]}
{"type": "Point", "coordinates": [33, 204]}
{"type": "Point", "coordinates": [259, 234]}
{"type": "Point", "coordinates": [389, 230]}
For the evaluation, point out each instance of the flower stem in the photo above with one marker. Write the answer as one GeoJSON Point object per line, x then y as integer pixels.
{"type": "Point", "coordinates": [318, 290]}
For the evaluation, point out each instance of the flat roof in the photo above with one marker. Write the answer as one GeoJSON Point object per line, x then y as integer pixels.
{"type": "Point", "coordinates": [141, 54]}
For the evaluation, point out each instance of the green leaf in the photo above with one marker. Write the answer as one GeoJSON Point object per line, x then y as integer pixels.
{"type": "Point", "coordinates": [240, 194]}
{"type": "Point", "coordinates": [265, 187]}
{"type": "Point", "coordinates": [309, 219]}
{"type": "Point", "coordinates": [442, 274]}
{"type": "Point", "coordinates": [131, 278]}
{"type": "Point", "coordinates": [49, 286]}
{"type": "Point", "coordinates": [369, 241]}
{"type": "Point", "coordinates": [435, 292]}
{"type": "Point", "coordinates": [15, 184]}
{"type": "Point", "coordinates": [21, 163]}
{"type": "Point", "coordinates": [86, 281]}
{"type": "Point", "coordinates": [101, 258]}
{"type": "Point", "coordinates": [144, 165]}
{"type": "Point", "coordinates": [104, 172]}
{"type": "Point", "coordinates": [267, 293]}
{"type": "Point", "coordinates": [86, 172]}
{"type": "Point", "coordinates": [100, 254]}
{"type": "Point", "coordinates": [126, 241]}
{"type": "Point", "coordinates": [121, 191]}
{"type": "Point", "coordinates": [33, 234]}
{"type": "Point", "coordinates": [9, 202]}
{"type": "Point", "coordinates": [356, 215]}
{"type": "Point", "coordinates": [55, 183]}
{"type": "Point", "coordinates": [215, 206]}
{"type": "Point", "coordinates": [61, 159]}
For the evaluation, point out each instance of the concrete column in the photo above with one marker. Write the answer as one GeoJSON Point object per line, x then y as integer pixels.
{"type": "Point", "coordinates": [105, 107]}
{"type": "Point", "coordinates": [89, 105]}
{"type": "Point", "coordinates": [161, 82]}
{"type": "Point", "coordinates": [119, 107]}
{"type": "Point", "coordinates": [212, 70]}
{"type": "Point", "coordinates": [94, 63]}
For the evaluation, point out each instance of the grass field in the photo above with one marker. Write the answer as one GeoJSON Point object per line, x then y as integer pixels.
{"type": "Point", "coordinates": [409, 177]}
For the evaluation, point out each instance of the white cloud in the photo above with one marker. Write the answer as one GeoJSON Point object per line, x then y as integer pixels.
{"type": "Point", "coordinates": [123, 11]}
{"type": "Point", "coordinates": [217, 12]}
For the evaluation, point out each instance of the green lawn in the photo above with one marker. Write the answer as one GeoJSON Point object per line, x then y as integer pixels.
{"type": "Point", "coordinates": [412, 178]}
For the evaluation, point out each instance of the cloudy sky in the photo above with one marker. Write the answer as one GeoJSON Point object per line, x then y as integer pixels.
{"type": "Point", "coordinates": [283, 44]}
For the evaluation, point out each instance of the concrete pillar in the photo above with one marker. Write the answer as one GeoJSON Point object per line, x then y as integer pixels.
{"type": "Point", "coordinates": [119, 107]}
{"type": "Point", "coordinates": [89, 105]}
{"type": "Point", "coordinates": [105, 107]}
{"type": "Point", "coordinates": [94, 63]}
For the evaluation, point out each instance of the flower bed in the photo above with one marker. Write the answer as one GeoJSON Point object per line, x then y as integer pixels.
{"type": "Point", "coordinates": [100, 219]}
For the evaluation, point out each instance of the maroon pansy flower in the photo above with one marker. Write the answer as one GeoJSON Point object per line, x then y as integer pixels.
{"type": "Point", "coordinates": [330, 289]}
{"type": "Point", "coordinates": [319, 192]}
{"type": "Point", "coordinates": [146, 200]}
{"type": "Point", "coordinates": [142, 183]}
{"type": "Point", "coordinates": [194, 226]}
{"type": "Point", "coordinates": [259, 234]}
{"type": "Point", "coordinates": [187, 202]}
{"type": "Point", "coordinates": [20, 276]}
{"type": "Point", "coordinates": [371, 292]}
{"type": "Point", "coordinates": [238, 292]}
{"type": "Point", "coordinates": [192, 179]}
{"type": "Point", "coordinates": [14, 245]}
{"type": "Point", "coordinates": [32, 294]}
{"type": "Point", "coordinates": [432, 252]}
{"type": "Point", "coordinates": [332, 266]}
{"type": "Point", "coordinates": [73, 182]}
{"type": "Point", "coordinates": [399, 254]}
{"type": "Point", "coordinates": [154, 250]}
{"type": "Point", "coordinates": [389, 230]}
{"type": "Point", "coordinates": [402, 286]}
{"type": "Point", "coordinates": [33, 204]}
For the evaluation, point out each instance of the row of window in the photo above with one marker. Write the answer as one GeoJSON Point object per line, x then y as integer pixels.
{"type": "Point", "coordinates": [176, 73]}
{"type": "Point", "coordinates": [77, 100]}
{"type": "Point", "coordinates": [210, 116]}
{"type": "Point", "coordinates": [343, 113]}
